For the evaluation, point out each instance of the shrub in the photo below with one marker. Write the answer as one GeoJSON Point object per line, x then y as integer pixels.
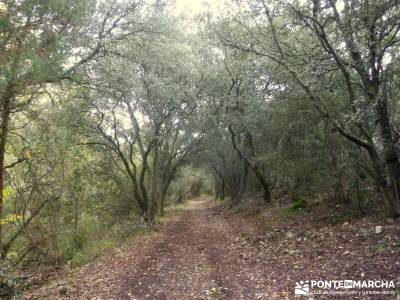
{"type": "Point", "coordinates": [298, 203]}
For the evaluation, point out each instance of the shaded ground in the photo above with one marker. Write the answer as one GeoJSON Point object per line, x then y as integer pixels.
{"type": "Point", "coordinates": [213, 253]}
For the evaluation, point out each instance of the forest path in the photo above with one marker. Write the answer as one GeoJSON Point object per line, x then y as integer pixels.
{"type": "Point", "coordinates": [198, 255]}
{"type": "Point", "coordinates": [212, 252]}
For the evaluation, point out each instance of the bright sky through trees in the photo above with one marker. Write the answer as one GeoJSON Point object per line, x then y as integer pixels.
{"type": "Point", "coordinates": [198, 6]}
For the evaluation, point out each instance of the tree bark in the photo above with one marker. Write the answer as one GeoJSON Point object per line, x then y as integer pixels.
{"type": "Point", "coordinates": [164, 190]}
{"type": "Point", "coordinates": [243, 181]}
{"type": "Point", "coordinates": [154, 187]}
{"type": "Point", "coordinates": [222, 189]}
{"type": "Point", "coordinates": [217, 189]}
{"type": "Point", "coordinates": [5, 119]}
{"type": "Point", "coordinates": [254, 167]}
{"type": "Point", "coordinates": [389, 152]}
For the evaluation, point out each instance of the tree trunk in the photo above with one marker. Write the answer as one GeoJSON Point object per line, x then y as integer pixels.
{"type": "Point", "coordinates": [217, 188]}
{"type": "Point", "coordinates": [267, 195]}
{"type": "Point", "coordinates": [161, 210]}
{"type": "Point", "coordinates": [235, 188]}
{"type": "Point", "coordinates": [76, 215]}
{"type": "Point", "coordinates": [243, 182]}
{"type": "Point", "coordinates": [222, 189]}
{"type": "Point", "coordinates": [252, 165]}
{"type": "Point", "coordinates": [164, 190]}
{"type": "Point", "coordinates": [152, 202]}
{"type": "Point", "coordinates": [389, 153]}
{"type": "Point", "coordinates": [5, 119]}
{"type": "Point", "coordinates": [220, 181]}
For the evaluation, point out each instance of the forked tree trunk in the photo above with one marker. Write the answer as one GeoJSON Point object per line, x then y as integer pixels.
{"type": "Point", "coordinates": [254, 167]}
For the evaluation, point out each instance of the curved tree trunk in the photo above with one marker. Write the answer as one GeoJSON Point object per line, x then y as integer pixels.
{"type": "Point", "coordinates": [253, 166]}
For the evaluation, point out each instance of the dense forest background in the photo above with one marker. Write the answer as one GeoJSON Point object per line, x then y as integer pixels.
{"type": "Point", "coordinates": [112, 110]}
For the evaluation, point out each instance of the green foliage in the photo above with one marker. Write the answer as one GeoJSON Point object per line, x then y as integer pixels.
{"type": "Point", "coordinates": [114, 105]}
{"type": "Point", "coordinates": [91, 251]}
{"type": "Point", "coordinates": [93, 237]}
{"type": "Point", "coordinates": [70, 245]}
{"type": "Point", "coordinates": [8, 281]}
{"type": "Point", "coordinates": [190, 183]}
{"type": "Point", "coordinates": [298, 203]}
{"type": "Point", "coordinates": [106, 238]}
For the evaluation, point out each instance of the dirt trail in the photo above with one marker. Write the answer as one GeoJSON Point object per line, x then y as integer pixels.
{"type": "Point", "coordinates": [213, 253]}
{"type": "Point", "coordinates": [197, 256]}
{"type": "Point", "coordinates": [195, 259]}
